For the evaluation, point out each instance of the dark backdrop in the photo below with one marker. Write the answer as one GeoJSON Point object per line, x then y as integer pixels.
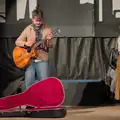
{"type": "Point", "coordinates": [69, 59]}
{"type": "Point", "coordinates": [75, 55]}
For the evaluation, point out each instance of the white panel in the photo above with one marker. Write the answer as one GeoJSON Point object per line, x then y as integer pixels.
{"type": "Point", "coordinates": [32, 5]}
{"type": "Point", "coordinates": [116, 6]}
{"type": "Point", "coordinates": [118, 43]}
{"type": "Point", "coordinates": [86, 1]}
{"type": "Point", "coordinates": [117, 15]}
{"type": "Point", "coordinates": [100, 11]}
{"type": "Point", "coordinates": [21, 7]}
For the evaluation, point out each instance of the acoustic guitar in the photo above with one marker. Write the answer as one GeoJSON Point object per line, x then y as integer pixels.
{"type": "Point", "coordinates": [22, 58]}
{"type": "Point", "coordinates": [37, 95]}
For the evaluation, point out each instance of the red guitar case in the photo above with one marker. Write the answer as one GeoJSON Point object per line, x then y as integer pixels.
{"type": "Point", "coordinates": [46, 95]}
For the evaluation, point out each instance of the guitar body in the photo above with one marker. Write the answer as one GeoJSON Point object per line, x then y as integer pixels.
{"type": "Point", "coordinates": [22, 58]}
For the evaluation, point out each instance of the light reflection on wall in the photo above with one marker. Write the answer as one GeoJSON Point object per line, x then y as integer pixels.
{"type": "Point", "coordinates": [86, 1]}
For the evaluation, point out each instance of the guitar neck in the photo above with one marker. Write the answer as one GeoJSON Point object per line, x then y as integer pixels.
{"type": "Point", "coordinates": [36, 44]}
{"type": "Point", "coordinates": [55, 33]}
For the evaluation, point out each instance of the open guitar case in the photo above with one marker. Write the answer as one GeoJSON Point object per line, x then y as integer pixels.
{"type": "Point", "coordinates": [43, 99]}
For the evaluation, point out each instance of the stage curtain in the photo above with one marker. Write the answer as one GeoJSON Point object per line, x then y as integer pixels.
{"type": "Point", "coordinates": [77, 58]}
{"type": "Point", "coordinates": [80, 58]}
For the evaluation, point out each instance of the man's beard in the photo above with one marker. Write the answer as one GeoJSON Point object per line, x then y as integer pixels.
{"type": "Point", "coordinates": [37, 26]}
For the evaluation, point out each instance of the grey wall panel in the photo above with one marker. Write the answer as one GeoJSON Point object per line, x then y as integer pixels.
{"type": "Point", "coordinates": [74, 19]}
{"type": "Point", "coordinates": [110, 26]}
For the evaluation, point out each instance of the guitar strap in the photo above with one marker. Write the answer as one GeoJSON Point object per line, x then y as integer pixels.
{"type": "Point", "coordinates": [38, 30]}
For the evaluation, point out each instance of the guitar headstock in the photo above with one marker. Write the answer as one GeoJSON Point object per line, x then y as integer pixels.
{"type": "Point", "coordinates": [55, 32]}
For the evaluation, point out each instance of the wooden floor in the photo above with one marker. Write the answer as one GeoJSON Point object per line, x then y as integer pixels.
{"type": "Point", "coordinates": [83, 113]}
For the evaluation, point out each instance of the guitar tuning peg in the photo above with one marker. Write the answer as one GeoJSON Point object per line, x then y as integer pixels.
{"type": "Point", "coordinates": [58, 30]}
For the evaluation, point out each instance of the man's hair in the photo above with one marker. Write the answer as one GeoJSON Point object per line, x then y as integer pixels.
{"type": "Point", "coordinates": [37, 12]}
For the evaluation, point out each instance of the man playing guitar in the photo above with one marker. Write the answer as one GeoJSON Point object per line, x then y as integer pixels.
{"type": "Point", "coordinates": [33, 33]}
